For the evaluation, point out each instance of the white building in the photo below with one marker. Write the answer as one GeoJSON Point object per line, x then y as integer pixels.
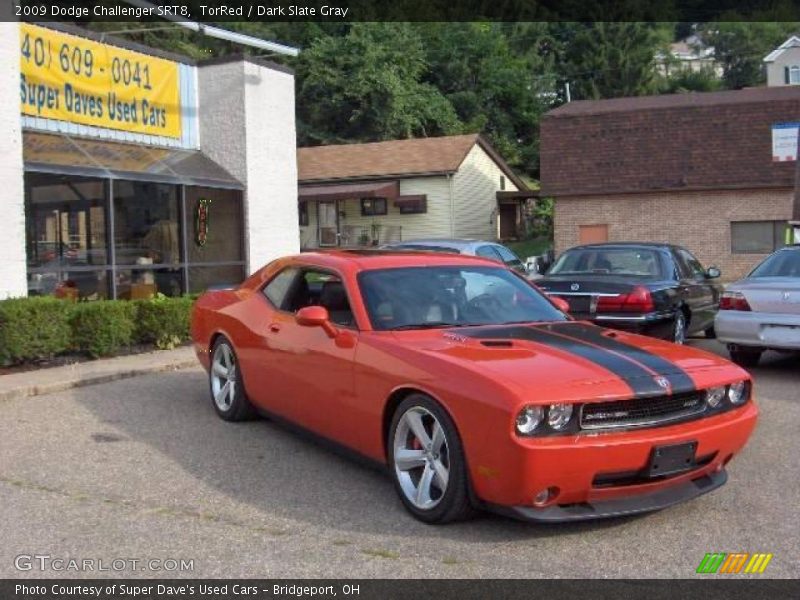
{"type": "Point", "coordinates": [128, 171]}
{"type": "Point", "coordinates": [441, 187]}
{"type": "Point", "coordinates": [783, 64]}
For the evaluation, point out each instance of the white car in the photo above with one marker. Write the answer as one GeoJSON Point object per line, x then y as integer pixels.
{"type": "Point", "coordinates": [762, 311]}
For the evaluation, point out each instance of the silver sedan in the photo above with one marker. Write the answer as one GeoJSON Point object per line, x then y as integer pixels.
{"type": "Point", "coordinates": [762, 311]}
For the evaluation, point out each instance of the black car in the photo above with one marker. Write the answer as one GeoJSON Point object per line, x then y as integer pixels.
{"type": "Point", "coordinates": [655, 289]}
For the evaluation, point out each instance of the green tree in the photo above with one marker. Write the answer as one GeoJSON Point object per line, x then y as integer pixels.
{"type": "Point", "coordinates": [740, 47]}
{"type": "Point", "coordinates": [368, 85]}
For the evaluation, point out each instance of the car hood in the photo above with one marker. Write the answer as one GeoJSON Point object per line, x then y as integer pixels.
{"type": "Point", "coordinates": [573, 361]}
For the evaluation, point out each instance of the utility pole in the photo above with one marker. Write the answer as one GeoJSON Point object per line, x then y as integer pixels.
{"type": "Point", "coordinates": [569, 99]}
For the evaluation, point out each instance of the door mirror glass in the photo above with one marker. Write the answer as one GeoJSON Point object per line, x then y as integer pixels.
{"type": "Point", "coordinates": [713, 273]}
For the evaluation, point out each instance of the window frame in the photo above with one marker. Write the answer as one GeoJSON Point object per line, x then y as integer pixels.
{"type": "Point", "coordinates": [778, 240]}
{"type": "Point", "coordinates": [794, 75]}
{"type": "Point", "coordinates": [371, 211]}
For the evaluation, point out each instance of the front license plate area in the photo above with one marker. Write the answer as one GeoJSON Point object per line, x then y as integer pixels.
{"type": "Point", "coordinates": [669, 460]}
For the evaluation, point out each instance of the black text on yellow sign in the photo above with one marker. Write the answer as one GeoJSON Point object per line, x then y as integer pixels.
{"type": "Point", "coordinates": [70, 78]}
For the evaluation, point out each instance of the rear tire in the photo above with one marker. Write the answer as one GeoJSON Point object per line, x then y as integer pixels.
{"type": "Point", "coordinates": [426, 459]}
{"type": "Point", "coordinates": [679, 324]}
{"type": "Point", "coordinates": [745, 357]}
{"type": "Point", "coordinates": [226, 385]}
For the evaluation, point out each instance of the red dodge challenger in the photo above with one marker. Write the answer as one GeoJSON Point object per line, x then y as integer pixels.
{"type": "Point", "coordinates": [472, 386]}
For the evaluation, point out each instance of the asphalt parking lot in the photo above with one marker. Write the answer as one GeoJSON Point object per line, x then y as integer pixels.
{"type": "Point", "coordinates": [142, 468]}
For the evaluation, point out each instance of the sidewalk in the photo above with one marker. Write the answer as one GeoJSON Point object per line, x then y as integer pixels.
{"type": "Point", "coordinates": [56, 379]}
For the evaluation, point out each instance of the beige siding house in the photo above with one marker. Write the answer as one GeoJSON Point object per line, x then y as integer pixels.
{"type": "Point", "coordinates": [371, 194]}
{"type": "Point", "coordinates": [783, 64]}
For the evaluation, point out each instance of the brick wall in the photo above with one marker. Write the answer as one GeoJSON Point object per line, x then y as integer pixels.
{"type": "Point", "coordinates": [699, 221]}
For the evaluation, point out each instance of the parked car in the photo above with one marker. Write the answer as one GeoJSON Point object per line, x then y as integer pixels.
{"type": "Point", "coordinates": [659, 290]}
{"type": "Point", "coordinates": [762, 311]}
{"type": "Point", "coordinates": [471, 386]}
{"type": "Point", "coordinates": [491, 250]}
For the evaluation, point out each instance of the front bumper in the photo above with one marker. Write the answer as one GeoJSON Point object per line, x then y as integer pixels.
{"type": "Point", "coordinates": [758, 330]}
{"type": "Point", "coordinates": [605, 474]}
{"type": "Point", "coordinates": [618, 507]}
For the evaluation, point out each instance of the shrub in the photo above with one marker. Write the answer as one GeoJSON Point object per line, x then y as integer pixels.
{"type": "Point", "coordinates": [163, 321]}
{"type": "Point", "coordinates": [102, 328]}
{"type": "Point", "coordinates": [33, 328]}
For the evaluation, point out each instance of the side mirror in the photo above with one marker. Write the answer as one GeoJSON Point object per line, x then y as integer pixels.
{"type": "Point", "coordinates": [713, 272]}
{"type": "Point", "coordinates": [560, 303]}
{"type": "Point", "coordinates": [316, 316]}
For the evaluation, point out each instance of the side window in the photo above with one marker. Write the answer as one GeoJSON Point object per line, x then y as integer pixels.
{"type": "Point", "coordinates": [696, 269]}
{"type": "Point", "coordinates": [488, 252]}
{"type": "Point", "coordinates": [509, 258]}
{"type": "Point", "coordinates": [320, 288]}
{"type": "Point", "coordinates": [276, 290]}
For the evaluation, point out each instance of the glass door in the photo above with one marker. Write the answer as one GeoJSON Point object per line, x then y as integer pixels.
{"type": "Point", "coordinates": [328, 223]}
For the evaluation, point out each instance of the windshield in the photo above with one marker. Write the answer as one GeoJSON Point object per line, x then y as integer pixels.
{"type": "Point", "coordinates": [458, 296]}
{"type": "Point", "coordinates": [638, 262]}
{"type": "Point", "coordinates": [785, 263]}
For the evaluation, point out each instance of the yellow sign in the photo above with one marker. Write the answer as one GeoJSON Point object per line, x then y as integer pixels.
{"type": "Point", "coordinates": [70, 78]}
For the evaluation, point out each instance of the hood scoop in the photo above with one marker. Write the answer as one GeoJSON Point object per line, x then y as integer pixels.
{"type": "Point", "coordinates": [497, 343]}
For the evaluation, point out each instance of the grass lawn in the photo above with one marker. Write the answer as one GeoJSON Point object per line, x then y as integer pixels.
{"type": "Point", "coordinates": [526, 248]}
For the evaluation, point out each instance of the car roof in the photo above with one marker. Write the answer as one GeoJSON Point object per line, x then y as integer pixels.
{"type": "Point", "coordinates": [455, 243]}
{"type": "Point", "coordinates": [369, 259]}
{"type": "Point", "coordinates": [647, 245]}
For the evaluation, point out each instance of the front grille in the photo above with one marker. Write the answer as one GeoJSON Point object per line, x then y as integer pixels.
{"type": "Point", "coordinates": [642, 412]}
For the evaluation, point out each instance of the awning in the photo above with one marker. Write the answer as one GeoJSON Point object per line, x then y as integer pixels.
{"type": "Point", "coordinates": [66, 155]}
{"type": "Point", "coordinates": [345, 191]}
{"type": "Point", "coordinates": [516, 196]}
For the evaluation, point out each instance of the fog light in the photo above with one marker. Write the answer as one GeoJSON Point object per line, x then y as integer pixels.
{"type": "Point", "coordinates": [529, 418]}
{"type": "Point", "coordinates": [737, 392]}
{"type": "Point", "coordinates": [545, 496]}
{"type": "Point", "coordinates": [714, 396]}
{"type": "Point", "coordinates": [558, 415]}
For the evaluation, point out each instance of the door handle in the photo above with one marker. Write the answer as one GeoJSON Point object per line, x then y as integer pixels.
{"type": "Point", "coordinates": [274, 327]}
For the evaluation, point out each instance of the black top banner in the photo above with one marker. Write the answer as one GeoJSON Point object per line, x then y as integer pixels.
{"type": "Point", "coordinates": [383, 589]}
{"type": "Point", "coordinates": [216, 11]}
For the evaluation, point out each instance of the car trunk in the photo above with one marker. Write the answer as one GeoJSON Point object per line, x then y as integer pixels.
{"type": "Point", "coordinates": [582, 292]}
{"type": "Point", "coordinates": [778, 295]}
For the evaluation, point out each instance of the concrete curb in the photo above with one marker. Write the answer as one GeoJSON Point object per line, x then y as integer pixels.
{"type": "Point", "coordinates": [58, 379]}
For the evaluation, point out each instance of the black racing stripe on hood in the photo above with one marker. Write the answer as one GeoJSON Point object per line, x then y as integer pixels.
{"type": "Point", "coordinates": [679, 380]}
{"type": "Point", "coordinates": [639, 379]}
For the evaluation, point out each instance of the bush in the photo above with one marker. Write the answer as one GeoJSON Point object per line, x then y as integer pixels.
{"type": "Point", "coordinates": [163, 321]}
{"type": "Point", "coordinates": [102, 328]}
{"type": "Point", "coordinates": [33, 328]}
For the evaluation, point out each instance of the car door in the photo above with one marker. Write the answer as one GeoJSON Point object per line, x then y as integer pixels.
{"type": "Point", "coordinates": [700, 294]}
{"type": "Point", "coordinates": [311, 374]}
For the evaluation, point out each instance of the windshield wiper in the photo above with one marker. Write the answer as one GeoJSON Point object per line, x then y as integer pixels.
{"type": "Point", "coordinates": [430, 325]}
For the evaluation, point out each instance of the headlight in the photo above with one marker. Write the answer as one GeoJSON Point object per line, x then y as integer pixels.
{"type": "Point", "coordinates": [528, 419]}
{"type": "Point", "coordinates": [737, 392]}
{"type": "Point", "coordinates": [714, 396]}
{"type": "Point", "coordinates": [558, 415]}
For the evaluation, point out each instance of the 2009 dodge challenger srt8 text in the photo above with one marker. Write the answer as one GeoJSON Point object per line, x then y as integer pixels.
{"type": "Point", "coordinates": [472, 386]}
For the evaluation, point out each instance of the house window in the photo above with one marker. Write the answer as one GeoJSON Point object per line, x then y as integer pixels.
{"type": "Point", "coordinates": [794, 75]}
{"type": "Point", "coordinates": [502, 182]}
{"type": "Point", "coordinates": [302, 210]}
{"type": "Point", "coordinates": [757, 237]}
{"type": "Point", "coordinates": [412, 205]}
{"type": "Point", "coordinates": [371, 207]}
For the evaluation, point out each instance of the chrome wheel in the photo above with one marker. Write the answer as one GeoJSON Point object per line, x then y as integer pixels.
{"type": "Point", "coordinates": [421, 458]}
{"type": "Point", "coordinates": [223, 377]}
{"type": "Point", "coordinates": [679, 330]}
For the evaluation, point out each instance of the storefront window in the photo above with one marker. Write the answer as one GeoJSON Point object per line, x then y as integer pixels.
{"type": "Point", "coordinates": [146, 217]}
{"type": "Point", "coordinates": [155, 250]}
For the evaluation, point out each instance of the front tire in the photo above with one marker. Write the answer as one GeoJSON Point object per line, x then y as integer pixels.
{"type": "Point", "coordinates": [226, 384]}
{"type": "Point", "coordinates": [745, 357]}
{"type": "Point", "coordinates": [427, 462]}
